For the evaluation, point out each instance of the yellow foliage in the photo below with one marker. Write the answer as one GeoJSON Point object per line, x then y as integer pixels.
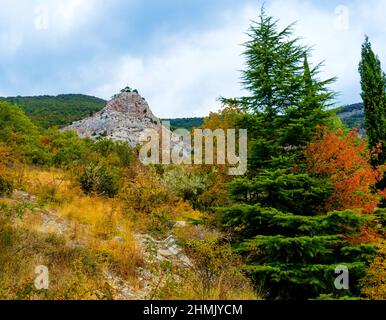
{"type": "Point", "coordinates": [145, 191]}
{"type": "Point", "coordinates": [98, 238]}
{"type": "Point", "coordinates": [95, 223]}
{"type": "Point", "coordinates": [50, 186]}
{"type": "Point", "coordinates": [374, 284]}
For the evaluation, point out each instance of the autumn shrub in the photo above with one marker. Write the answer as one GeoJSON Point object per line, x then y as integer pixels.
{"type": "Point", "coordinates": [214, 274]}
{"type": "Point", "coordinates": [50, 186]}
{"type": "Point", "coordinates": [216, 192]}
{"type": "Point", "coordinates": [208, 262]}
{"type": "Point", "coordinates": [144, 191]}
{"type": "Point", "coordinates": [6, 184]}
{"type": "Point", "coordinates": [74, 273]}
{"type": "Point", "coordinates": [374, 283]}
{"type": "Point", "coordinates": [77, 272]}
{"type": "Point", "coordinates": [344, 159]}
{"type": "Point", "coordinates": [196, 232]}
{"type": "Point", "coordinates": [122, 258]}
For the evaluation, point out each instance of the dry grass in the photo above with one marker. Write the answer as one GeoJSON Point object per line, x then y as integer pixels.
{"type": "Point", "coordinates": [94, 224]}
{"type": "Point", "coordinates": [81, 238]}
{"type": "Point", "coordinates": [75, 273]}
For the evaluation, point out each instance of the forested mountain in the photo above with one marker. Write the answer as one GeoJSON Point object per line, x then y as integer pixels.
{"type": "Point", "coordinates": [48, 111]}
{"type": "Point", "coordinates": [353, 115]}
{"type": "Point", "coordinates": [62, 110]}
{"type": "Point", "coordinates": [185, 123]}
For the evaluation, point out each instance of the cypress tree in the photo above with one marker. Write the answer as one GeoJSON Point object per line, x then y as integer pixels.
{"type": "Point", "coordinates": [373, 82]}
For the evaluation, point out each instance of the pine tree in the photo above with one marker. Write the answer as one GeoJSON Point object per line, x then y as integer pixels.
{"type": "Point", "coordinates": [373, 81]}
{"type": "Point", "coordinates": [299, 123]}
{"type": "Point", "coordinates": [286, 100]}
{"type": "Point", "coordinates": [294, 256]}
{"type": "Point", "coordinates": [290, 244]}
{"type": "Point", "coordinates": [274, 68]}
{"type": "Point", "coordinates": [274, 78]}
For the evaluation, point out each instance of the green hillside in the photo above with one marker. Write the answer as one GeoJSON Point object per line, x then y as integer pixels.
{"type": "Point", "coordinates": [48, 111]}
{"type": "Point", "coordinates": [353, 115]}
{"type": "Point", "coordinates": [185, 123]}
{"type": "Point", "coordinates": [61, 110]}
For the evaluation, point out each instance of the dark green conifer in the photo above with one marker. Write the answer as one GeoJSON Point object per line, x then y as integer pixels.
{"type": "Point", "coordinates": [373, 81]}
{"type": "Point", "coordinates": [290, 245]}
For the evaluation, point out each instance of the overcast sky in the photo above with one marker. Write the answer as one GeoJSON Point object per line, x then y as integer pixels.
{"type": "Point", "coordinates": [180, 54]}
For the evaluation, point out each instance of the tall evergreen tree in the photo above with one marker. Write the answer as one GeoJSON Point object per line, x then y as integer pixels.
{"type": "Point", "coordinates": [274, 68]}
{"type": "Point", "coordinates": [273, 76]}
{"type": "Point", "coordinates": [286, 99]}
{"type": "Point", "coordinates": [373, 81]}
{"type": "Point", "coordinates": [300, 121]}
{"type": "Point", "coordinates": [291, 246]}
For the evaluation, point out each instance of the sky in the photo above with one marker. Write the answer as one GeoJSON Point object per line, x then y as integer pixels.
{"type": "Point", "coordinates": [181, 55]}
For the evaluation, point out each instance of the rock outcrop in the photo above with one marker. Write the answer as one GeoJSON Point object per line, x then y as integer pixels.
{"type": "Point", "coordinates": [124, 118]}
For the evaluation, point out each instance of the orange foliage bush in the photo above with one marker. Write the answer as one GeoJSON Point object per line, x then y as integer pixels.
{"type": "Point", "coordinates": [344, 158]}
{"type": "Point", "coordinates": [366, 235]}
{"type": "Point", "coordinates": [217, 193]}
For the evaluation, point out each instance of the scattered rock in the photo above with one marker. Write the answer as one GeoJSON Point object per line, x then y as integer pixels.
{"type": "Point", "coordinates": [180, 224]}
{"type": "Point", "coordinates": [122, 289]}
{"type": "Point", "coordinates": [165, 250]}
{"type": "Point", "coordinates": [53, 224]}
{"type": "Point", "coordinates": [19, 195]}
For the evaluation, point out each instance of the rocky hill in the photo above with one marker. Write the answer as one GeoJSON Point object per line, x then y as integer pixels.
{"type": "Point", "coordinates": [124, 118]}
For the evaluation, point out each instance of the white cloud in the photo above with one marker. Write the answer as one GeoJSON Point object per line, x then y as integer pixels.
{"type": "Point", "coordinates": [339, 47]}
{"type": "Point", "coordinates": [181, 74]}
{"type": "Point", "coordinates": [185, 77]}
{"type": "Point", "coordinates": [24, 20]}
{"type": "Point", "coordinates": [66, 16]}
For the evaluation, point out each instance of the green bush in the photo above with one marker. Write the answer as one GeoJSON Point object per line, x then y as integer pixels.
{"type": "Point", "coordinates": [118, 150]}
{"type": "Point", "coordinates": [6, 187]}
{"type": "Point", "coordinates": [185, 184]}
{"type": "Point", "coordinates": [19, 133]}
{"type": "Point", "coordinates": [99, 179]}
